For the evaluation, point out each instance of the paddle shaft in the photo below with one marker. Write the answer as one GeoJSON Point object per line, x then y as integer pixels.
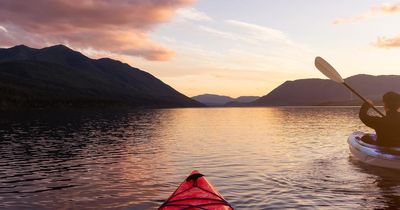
{"type": "Point", "coordinates": [365, 100]}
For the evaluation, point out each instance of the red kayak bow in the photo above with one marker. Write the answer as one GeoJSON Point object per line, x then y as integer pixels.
{"type": "Point", "coordinates": [196, 193]}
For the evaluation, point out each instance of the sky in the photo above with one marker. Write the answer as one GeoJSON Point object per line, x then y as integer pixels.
{"type": "Point", "coordinates": [225, 47]}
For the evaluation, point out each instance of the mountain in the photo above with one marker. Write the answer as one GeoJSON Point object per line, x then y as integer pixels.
{"type": "Point", "coordinates": [220, 100]}
{"type": "Point", "coordinates": [246, 99]}
{"type": "Point", "coordinates": [310, 92]}
{"type": "Point", "coordinates": [58, 76]}
{"type": "Point", "coordinates": [212, 100]}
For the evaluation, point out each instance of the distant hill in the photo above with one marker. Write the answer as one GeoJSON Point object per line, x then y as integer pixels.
{"type": "Point", "coordinates": [311, 92]}
{"type": "Point", "coordinates": [212, 100]}
{"type": "Point", "coordinates": [246, 99]}
{"type": "Point", "coordinates": [220, 100]}
{"type": "Point", "coordinates": [58, 76]}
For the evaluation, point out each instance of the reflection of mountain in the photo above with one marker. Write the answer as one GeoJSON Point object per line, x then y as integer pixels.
{"type": "Point", "coordinates": [219, 100]}
{"type": "Point", "coordinates": [308, 92]}
{"type": "Point", "coordinates": [71, 154]}
{"type": "Point", "coordinates": [66, 134]}
{"type": "Point", "coordinates": [58, 77]}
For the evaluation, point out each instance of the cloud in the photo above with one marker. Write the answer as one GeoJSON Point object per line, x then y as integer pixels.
{"type": "Point", "coordinates": [118, 26]}
{"type": "Point", "coordinates": [3, 29]}
{"type": "Point", "coordinates": [259, 32]}
{"type": "Point", "coordinates": [156, 53]}
{"type": "Point", "coordinates": [390, 8]}
{"type": "Point", "coordinates": [384, 42]}
{"type": "Point", "coordinates": [241, 46]}
{"type": "Point", "coordinates": [352, 19]}
{"type": "Point", "coordinates": [219, 33]}
{"type": "Point", "coordinates": [255, 35]}
{"type": "Point", "coordinates": [192, 14]}
{"type": "Point", "coordinates": [383, 9]}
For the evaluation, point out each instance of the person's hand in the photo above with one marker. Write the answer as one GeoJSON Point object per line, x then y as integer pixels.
{"type": "Point", "coordinates": [368, 104]}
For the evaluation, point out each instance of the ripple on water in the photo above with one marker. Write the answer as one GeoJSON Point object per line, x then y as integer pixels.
{"type": "Point", "coordinates": [258, 158]}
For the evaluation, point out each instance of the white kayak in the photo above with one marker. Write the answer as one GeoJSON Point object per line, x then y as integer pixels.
{"type": "Point", "coordinates": [372, 154]}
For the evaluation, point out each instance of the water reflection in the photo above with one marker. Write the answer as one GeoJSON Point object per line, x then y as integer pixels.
{"type": "Point", "coordinates": [258, 158]}
{"type": "Point", "coordinates": [86, 155]}
{"type": "Point", "coordinates": [382, 186]}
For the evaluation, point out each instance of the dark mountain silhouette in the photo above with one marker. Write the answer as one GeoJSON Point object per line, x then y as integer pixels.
{"type": "Point", "coordinates": [246, 99]}
{"type": "Point", "coordinates": [310, 92]}
{"type": "Point", "coordinates": [220, 100]}
{"type": "Point", "coordinates": [212, 100]}
{"type": "Point", "coordinates": [61, 77]}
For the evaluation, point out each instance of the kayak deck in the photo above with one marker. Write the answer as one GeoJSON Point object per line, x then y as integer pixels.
{"type": "Point", "coordinates": [196, 193]}
{"type": "Point", "coordinates": [372, 154]}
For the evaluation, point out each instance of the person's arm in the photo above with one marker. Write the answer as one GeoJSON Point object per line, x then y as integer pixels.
{"type": "Point", "coordinates": [370, 121]}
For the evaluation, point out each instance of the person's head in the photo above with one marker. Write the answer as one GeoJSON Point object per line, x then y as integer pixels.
{"type": "Point", "coordinates": [391, 101]}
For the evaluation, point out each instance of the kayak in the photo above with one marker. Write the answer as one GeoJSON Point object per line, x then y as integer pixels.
{"type": "Point", "coordinates": [386, 157]}
{"type": "Point", "coordinates": [196, 193]}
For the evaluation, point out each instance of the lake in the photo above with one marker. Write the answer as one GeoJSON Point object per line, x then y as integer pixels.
{"type": "Point", "coordinates": [258, 158]}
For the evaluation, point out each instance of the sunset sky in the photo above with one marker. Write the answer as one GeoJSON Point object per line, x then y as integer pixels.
{"type": "Point", "coordinates": [229, 47]}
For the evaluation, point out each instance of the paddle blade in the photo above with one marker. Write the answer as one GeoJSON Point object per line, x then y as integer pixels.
{"type": "Point", "coordinates": [326, 68]}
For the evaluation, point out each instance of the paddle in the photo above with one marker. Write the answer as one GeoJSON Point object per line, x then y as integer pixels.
{"type": "Point", "coordinates": [326, 69]}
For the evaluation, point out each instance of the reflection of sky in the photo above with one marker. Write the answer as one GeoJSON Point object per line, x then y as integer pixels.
{"type": "Point", "coordinates": [286, 157]}
{"type": "Point", "coordinates": [91, 158]}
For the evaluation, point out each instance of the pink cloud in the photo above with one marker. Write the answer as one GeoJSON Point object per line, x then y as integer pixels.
{"type": "Point", "coordinates": [117, 26]}
{"type": "Point", "coordinates": [384, 42]}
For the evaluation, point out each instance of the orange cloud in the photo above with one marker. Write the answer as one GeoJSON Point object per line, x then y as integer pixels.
{"type": "Point", "coordinates": [374, 12]}
{"type": "Point", "coordinates": [352, 19]}
{"type": "Point", "coordinates": [384, 42]}
{"type": "Point", "coordinates": [390, 8]}
{"type": "Point", "coordinates": [118, 26]}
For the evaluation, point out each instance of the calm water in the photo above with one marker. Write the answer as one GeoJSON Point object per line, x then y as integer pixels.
{"type": "Point", "coordinates": [258, 158]}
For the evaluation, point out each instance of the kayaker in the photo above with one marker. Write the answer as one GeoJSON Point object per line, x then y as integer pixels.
{"type": "Point", "coordinates": [387, 128]}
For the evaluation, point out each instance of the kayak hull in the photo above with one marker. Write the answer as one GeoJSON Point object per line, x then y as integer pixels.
{"type": "Point", "coordinates": [196, 193]}
{"type": "Point", "coordinates": [373, 154]}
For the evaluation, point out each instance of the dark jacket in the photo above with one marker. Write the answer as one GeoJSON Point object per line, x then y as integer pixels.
{"type": "Point", "coordinates": [387, 128]}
